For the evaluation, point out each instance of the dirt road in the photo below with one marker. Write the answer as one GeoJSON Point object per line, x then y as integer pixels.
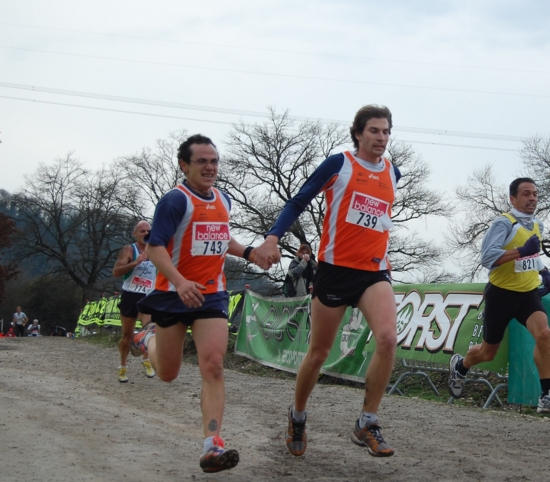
{"type": "Point", "coordinates": [65, 417]}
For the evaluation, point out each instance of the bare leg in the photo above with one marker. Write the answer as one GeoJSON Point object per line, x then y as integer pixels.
{"type": "Point", "coordinates": [144, 320]}
{"type": "Point", "coordinates": [324, 326]}
{"type": "Point", "coordinates": [166, 351]}
{"type": "Point", "coordinates": [210, 336]}
{"type": "Point", "coordinates": [378, 306]}
{"type": "Point", "coordinates": [537, 324]}
{"type": "Point", "coordinates": [128, 326]}
{"type": "Point", "coordinates": [480, 353]}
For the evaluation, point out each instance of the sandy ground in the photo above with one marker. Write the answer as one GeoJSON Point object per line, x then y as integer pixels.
{"type": "Point", "coordinates": [65, 417]}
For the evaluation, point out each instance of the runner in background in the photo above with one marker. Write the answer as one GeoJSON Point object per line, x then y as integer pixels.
{"type": "Point", "coordinates": [510, 251]}
{"type": "Point", "coordinates": [139, 279]}
{"type": "Point", "coordinates": [20, 319]}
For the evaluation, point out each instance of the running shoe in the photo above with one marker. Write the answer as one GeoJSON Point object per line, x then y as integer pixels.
{"type": "Point", "coordinates": [296, 438]}
{"type": "Point", "coordinates": [544, 404]}
{"type": "Point", "coordinates": [217, 458]}
{"type": "Point", "coordinates": [456, 380]}
{"type": "Point", "coordinates": [149, 370]}
{"type": "Point", "coordinates": [137, 347]}
{"type": "Point", "coordinates": [122, 374]}
{"type": "Point", "coordinates": [371, 438]}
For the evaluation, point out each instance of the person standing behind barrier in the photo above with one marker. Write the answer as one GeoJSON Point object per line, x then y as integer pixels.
{"type": "Point", "coordinates": [34, 329]}
{"type": "Point", "coordinates": [188, 244]}
{"type": "Point", "coordinates": [353, 270]}
{"type": "Point", "coordinates": [139, 276]}
{"type": "Point", "coordinates": [510, 250]}
{"type": "Point", "coordinates": [300, 273]}
{"type": "Point", "coordinates": [19, 320]}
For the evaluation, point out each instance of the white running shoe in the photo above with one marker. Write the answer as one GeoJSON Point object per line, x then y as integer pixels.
{"type": "Point", "coordinates": [456, 380]}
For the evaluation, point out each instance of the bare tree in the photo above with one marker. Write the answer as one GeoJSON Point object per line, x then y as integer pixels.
{"type": "Point", "coordinates": [483, 199]}
{"type": "Point", "coordinates": [8, 270]}
{"type": "Point", "coordinates": [535, 156]}
{"type": "Point", "coordinates": [480, 202]}
{"type": "Point", "coordinates": [413, 258]}
{"type": "Point", "coordinates": [74, 221]}
{"type": "Point", "coordinates": [154, 171]}
{"type": "Point", "coordinates": [266, 164]}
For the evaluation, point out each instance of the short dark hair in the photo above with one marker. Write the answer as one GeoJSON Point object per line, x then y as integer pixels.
{"type": "Point", "coordinates": [514, 185]}
{"type": "Point", "coordinates": [364, 114]}
{"type": "Point", "coordinates": [185, 153]}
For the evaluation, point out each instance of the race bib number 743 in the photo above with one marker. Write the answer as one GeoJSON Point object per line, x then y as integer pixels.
{"type": "Point", "coordinates": [210, 239]}
{"type": "Point", "coordinates": [367, 211]}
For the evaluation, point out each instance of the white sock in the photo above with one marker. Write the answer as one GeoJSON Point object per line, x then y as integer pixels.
{"type": "Point", "coordinates": [147, 338]}
{"type": "Point", "coordinates": [208, 443]}
{"type": "Point", "coordinates": [367, 418]}
{"type": "Point", "coordinates": [298, 416]}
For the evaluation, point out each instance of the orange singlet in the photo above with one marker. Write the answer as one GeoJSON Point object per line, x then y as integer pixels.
{"type": "Point", "coordinates": [200, 243]}
{"type": "Point", "coordinates": [358, 217]}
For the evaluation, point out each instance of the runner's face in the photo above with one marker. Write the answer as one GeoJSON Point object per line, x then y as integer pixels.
{"type": "Point", "coordinates": [142, 229]}
{"type": "Point", "coordinates": [202, 171]}
{"type": "Point", "coordinates": [526, 200]}
{"type": "Point", "coordinates": [373, 139]}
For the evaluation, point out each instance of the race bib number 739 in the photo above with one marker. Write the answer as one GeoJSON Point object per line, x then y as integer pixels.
{"type": "Point", "coordinates": [210, 239]}
{"type": "Point", "coordinates": [367, 211]}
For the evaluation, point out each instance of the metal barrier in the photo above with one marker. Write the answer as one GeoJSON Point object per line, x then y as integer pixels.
{"type": "Point", "coordinates": [419, 368]}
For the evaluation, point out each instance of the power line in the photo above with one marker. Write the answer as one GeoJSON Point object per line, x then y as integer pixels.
{"type": "Point", "coordinates": [296, 52]}
{"type": "Point", "coordinates": [275, 74]}
{"type": "Point", "coordinates": [416, 130]}
{"type": "Point", "coordinates": [219, 122]}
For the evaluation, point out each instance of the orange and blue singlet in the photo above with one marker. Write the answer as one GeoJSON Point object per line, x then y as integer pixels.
{"type": "Point", "coordinates": [359, 196]}
{"type": "Point", "coordinates": [195, 232]}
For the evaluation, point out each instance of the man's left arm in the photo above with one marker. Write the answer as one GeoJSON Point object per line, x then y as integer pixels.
{"type": "Point", "coordinates": [234, 248]}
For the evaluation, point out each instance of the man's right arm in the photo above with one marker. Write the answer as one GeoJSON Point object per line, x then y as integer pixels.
{"type": "Point", "coordinates": [492, 254]}
{"type": "Point", "coordinates": [124, 263]}
{"type": "Point", "coordinates": [268, 252]}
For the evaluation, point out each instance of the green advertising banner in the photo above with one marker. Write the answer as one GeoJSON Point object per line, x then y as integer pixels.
{"type": "Point", "coordinates": [433, 322]}
{"type": "Point", "coordinates": [105, 311]}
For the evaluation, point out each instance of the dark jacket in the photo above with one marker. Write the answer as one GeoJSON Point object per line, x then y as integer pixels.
{"type": "Point", "coordinates": [302, 272]}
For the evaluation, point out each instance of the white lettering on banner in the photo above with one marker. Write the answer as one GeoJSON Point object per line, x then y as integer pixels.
{"type": "Point", "coordinates": [291, 357]}
{"type": "Point", "coordinates": [438, 330]}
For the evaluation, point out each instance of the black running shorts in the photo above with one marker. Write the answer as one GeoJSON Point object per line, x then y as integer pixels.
{"type": "Point", "coordinates": [128, 303]}
{"type": "Point", "coordinates": [337, 285]}
{"type": "Point", "coordinates": [501, 306]}
{"type": "Point", "coordinates": [165, 320]}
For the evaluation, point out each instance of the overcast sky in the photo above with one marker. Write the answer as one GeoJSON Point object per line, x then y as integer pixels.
{"type": "Point", "coordinates": [465, 80]}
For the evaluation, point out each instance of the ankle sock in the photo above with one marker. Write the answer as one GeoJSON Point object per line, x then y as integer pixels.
{"type": "Point", "coordinates": [208, 443]}
{"type": "Point", "coordinates": [367, 418]}
{"type": "Point", "coordinates": [460, 368]}
{"type": "Point", "coordinates": [147, 338]}
{"type": "Point", "coordinates": [298, 416]}
{"type": "Point", "coordinates": [545, 386]}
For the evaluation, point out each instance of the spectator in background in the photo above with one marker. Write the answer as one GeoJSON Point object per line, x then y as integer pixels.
{"type": "Point", "coordinates": [20, 320]}
{"type": "Point", "coordinates": [34, 329]}
{"type": "Point", "coordinates": [300, 273]}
